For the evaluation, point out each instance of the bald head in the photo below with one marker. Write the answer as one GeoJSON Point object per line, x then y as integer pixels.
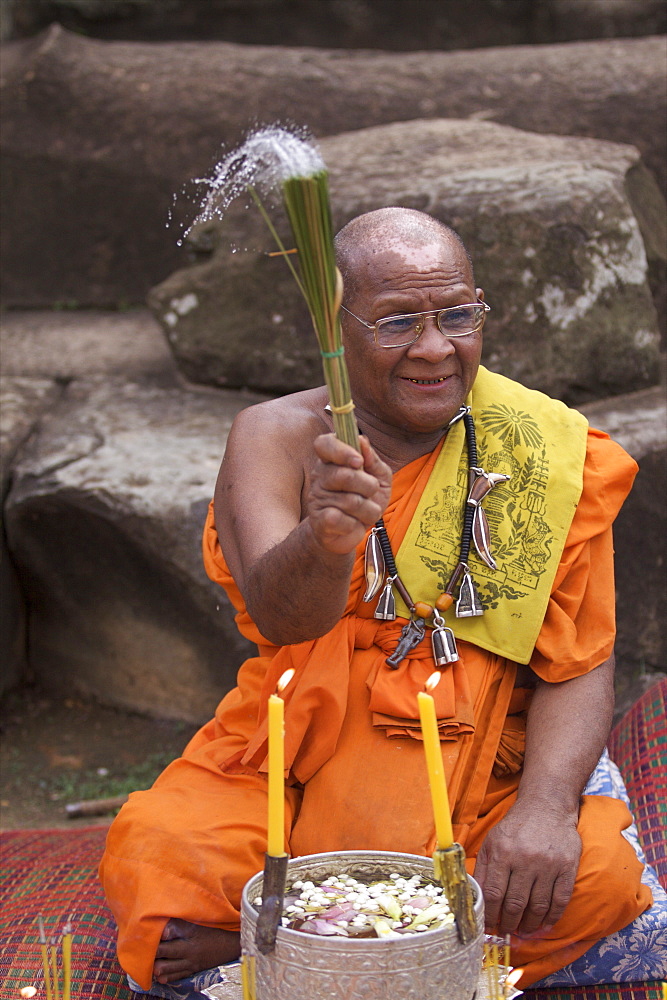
{"type": "Point", "coordinates": [381, 230]}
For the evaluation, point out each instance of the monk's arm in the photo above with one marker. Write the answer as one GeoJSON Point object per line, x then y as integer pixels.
{"type": "Point", "coordinates": [290, 539]}
{"type": "Point", "coordinates": [528, 862]}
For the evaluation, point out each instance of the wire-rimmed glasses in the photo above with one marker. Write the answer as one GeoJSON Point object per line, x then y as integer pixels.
{"type": "Point", "coordinates": [402, 330]}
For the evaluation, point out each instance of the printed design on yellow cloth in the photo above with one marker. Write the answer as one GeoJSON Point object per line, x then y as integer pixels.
{"type": "Point", "coordinates": [521, 537]}
{"type": "Point", "coordinates": [541, 444]}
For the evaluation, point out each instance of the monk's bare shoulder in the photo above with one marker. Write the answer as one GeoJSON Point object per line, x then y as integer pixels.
{"type": "Point", "coordinates": [282, 430]}
{"type": "Point", "coordinates": [267, 462]}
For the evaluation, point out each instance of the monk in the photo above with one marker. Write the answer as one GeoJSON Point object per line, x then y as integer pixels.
{"type": "Point", "coordinates": [525, 709]}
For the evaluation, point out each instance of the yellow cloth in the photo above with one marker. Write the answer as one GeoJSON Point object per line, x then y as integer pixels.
{"type": "Point", "coordinates": [541, 444]}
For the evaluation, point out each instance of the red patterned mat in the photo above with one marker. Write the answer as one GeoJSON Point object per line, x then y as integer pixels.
{"type": "Point", "coordinates": [53, 872]}
{"type": "Point", "coordinates": [638, 745]}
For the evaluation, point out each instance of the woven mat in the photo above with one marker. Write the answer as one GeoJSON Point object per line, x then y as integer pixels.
{"type": "Point", "coordinates": [638, 745]}
{"type": "Point", "coordinates": [53, 872]}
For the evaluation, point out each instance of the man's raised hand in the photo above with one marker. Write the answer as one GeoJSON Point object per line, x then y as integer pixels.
{"type": "Point", "coordinates": [348, 493]}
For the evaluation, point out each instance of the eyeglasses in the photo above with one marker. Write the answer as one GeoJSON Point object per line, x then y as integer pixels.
{"type": "Point", "coordinates": [400, 331]}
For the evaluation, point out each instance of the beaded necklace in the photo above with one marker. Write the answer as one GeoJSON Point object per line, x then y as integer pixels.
{"type": "Point", "coordinates": [381, 572]}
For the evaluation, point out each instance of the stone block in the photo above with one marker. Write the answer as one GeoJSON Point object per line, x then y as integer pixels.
{"type": "Point", "coordinates": [23, 403]}
{"type": "Point", "coordinates": [638, 421]}
{"type": "Point", "coordinates": [98, 136]}
{"type": "Point", "coordinates": [104, 521]}
{"type": "Point", "coordinates": [67, 344]}
{"type": "Point", "coordinates": [346, 24]}
{"type": "Point", "coordinates": [551, 227]}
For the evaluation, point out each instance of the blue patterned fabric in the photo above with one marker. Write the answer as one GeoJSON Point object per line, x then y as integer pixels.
{"type": "Point", "coordinates": [184, 989]}
{"type": "Point", "coordinates": [639, 951]}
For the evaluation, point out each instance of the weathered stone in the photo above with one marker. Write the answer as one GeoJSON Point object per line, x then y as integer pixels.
{"type": "Point", "coordinates": [37, 348]}
{"type": "Point", "coordinates": [638, 421]}
{"type": "Point", "coordinates": [23, 402]}
{"type": "Point", "coordinates": [556, 244]}
{"type": "Point", "coordinates": [68, 344]}
{"type": "Point", "coordinates": [104, 521]}
{"type": "Point", "coordinates": [97, 136]}
{"type": "Point", "coordinates": [360, 24]}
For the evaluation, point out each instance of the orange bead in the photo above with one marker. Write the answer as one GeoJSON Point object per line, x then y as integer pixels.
{"type": "Point", "coordinates": [444, 602]}
{"type": "Point", "coordinates": [423, 609]}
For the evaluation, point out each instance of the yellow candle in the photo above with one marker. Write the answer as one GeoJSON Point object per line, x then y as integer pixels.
{"type": "Point", "coordinates": [276, 824]}
{"type": "Point", "coordinates": [436, 772]}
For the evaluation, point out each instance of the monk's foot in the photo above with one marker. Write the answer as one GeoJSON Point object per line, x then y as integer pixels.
{"type": "Point", "coordinates": [186, 949]}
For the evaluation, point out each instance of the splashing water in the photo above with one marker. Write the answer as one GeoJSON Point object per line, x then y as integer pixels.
{"type": "Point", "coordinates": [266, 159]}
{"type": "Point", "coordinates": [273, 158]}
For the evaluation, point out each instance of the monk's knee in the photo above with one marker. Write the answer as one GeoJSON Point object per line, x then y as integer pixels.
{"type": "Point", "coordinates": [609, 875]}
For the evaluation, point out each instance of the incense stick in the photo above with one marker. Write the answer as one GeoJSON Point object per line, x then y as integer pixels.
{"type": "Point", "coordinates": [50, 961]}
{"type": "Point", "coordinates": [67, 958]}
{"type": "Point", "coordinates": [248, 980]}
{"type": "Point", "coordinates": [45, 957]}
{"type": "Point", "coordinates": [54, 963]}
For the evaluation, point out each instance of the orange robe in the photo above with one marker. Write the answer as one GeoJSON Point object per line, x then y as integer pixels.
{"type": "Point", "coordinates": [356, 772]}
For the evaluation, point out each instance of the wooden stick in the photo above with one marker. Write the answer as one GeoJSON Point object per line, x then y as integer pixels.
{"type": "Point", "coordinates": [506, 963]}
{"type": "Point", "coordinates": [450, 871]}
{"type": "Point", "coordinates": [273, 893]}
{"type": "Point", "coordinates": [95, 807]}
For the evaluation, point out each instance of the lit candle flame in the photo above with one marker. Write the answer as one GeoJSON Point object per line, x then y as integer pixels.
{"type": "Point", "coordinates": [28, 991]}
{"type": "Point", "coordinates": [433, 681]}
{"type": "Point", "coordinates": [514, 976]}
{"type": "Point", "coordinates": [284, 680]}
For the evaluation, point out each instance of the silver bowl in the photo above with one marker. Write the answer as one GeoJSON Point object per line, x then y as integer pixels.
{"type": "Point", "coordinates": [431, 965]}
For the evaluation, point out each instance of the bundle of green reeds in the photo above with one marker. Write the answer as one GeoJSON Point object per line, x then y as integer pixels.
{"type": "Point", "coordinates": [309, 212]}
{"type": "Point", "coordinates": [306, 200]}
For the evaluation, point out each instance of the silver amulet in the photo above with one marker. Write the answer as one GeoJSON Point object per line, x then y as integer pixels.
{"type": "Point", "coordinates": [386, 606]}
{"type": "Point", "coordinates": [443, 643]}
{"type": "Point", "coordinates": [374, 568]}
